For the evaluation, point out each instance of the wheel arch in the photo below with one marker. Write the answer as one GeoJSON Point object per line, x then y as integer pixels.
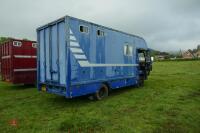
{"type": "Point", "coordinates": [108, 85]}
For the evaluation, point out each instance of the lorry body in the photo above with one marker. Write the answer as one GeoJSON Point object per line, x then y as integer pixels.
{"type": "Point", "coordinates": [0, 59]}
{"type": "Point", "coordinates": [18, 61]}
{"type": "Point", "coordinates": [77, 57]}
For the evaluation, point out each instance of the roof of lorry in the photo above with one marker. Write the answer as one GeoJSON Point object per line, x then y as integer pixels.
{"type": "Point", "coordinates": [14, 39]}
{"type": "Point", "coordinates": [62, 18]}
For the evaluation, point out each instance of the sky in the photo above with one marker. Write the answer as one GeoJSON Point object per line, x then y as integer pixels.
{"type": "Point", "coordinates": [166, 25]}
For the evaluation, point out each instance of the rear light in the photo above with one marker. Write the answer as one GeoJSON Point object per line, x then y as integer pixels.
{"type": "Point", "coordinates": [44, 88]}
{"type": "Point", "coordinates": [34, 45]}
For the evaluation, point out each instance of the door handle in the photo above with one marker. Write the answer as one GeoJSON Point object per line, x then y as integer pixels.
{"type": "Point", "coordinates": [57, 62]}
{"type": "Point", "coordinates": [52, 71]}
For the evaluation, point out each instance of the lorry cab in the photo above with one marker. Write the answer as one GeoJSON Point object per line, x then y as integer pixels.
{"type": "Point", "coordinates": [144, 64]}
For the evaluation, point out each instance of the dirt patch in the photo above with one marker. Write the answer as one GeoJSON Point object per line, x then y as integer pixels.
{"type": "Point", "coordinates": [191, 95]}
{"type": "Point", "coordinates": [194, 94]}
{"type": "Point", "coordinates": [173, 112]}
{"type": "Point", "coordinates": [129, 110]}
{"type": "Point", "coordinates": [80, 125]}
{"type": "Point", "coordinates": [170, 126]}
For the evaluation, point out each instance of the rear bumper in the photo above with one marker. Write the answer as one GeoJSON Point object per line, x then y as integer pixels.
{"type": "Point", "coordinates": [58, 90]}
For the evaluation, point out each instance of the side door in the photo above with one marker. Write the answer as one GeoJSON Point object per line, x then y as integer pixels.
{"type": "Point", "coordinates": [100, 45]}
{"type": "Point", "coordinates": [53, 54]}
{"type": "Point", "coordinates": [100, 52]}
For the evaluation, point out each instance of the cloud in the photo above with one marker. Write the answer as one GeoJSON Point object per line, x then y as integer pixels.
{"type": "Point", "coordinates": [165, 25]}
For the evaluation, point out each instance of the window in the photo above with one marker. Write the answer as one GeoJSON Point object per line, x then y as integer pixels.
{"type": "Point", "coordinates": [84, 29]}
{"type": "Point", "coordinates": [17, 43]}
{"type": "Point", "coordinates": [100, 33]}
{"type": "Point", "coordinates": [141, 57]}
{"type": "Point", "coordinates": [34, 45]}
{"type": "Point", "coordinates": [128, 50]}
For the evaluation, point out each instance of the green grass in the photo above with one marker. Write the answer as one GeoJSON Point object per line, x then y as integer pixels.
{"type": "Point", "coordinates": [169, 102]}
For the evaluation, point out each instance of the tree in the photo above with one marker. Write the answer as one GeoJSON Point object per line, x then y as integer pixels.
{"type": "Point", "coordinates": [3, 39]}
{"type": "Point", "coordinates": [198, 47]}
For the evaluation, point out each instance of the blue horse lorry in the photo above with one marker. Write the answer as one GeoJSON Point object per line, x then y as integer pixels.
{"type": "Point", "coordinates": [77, 58]}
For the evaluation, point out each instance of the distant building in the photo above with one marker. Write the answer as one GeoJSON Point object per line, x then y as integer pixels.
{"type": "Point", "coordinates": [173, 58]}
{"type": "Point", "coordinates": [197, 54]}
{"type": "Point", "coordinates": [198, 47]}
{"type": "Point", "coordinates": [160, 57]}
{"type": "Point", "coordinates": [188, 55]}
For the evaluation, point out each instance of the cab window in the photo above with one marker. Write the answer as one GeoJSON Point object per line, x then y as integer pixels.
{"type": "Point", "coordinates": [141, 57]}
{"type": "Point", "coordinates": [128, 50]}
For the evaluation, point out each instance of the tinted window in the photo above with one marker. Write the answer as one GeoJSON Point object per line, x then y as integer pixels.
{"type": "Point", "coordinates": [84, 29]}
{"type": "Point", "coordinates": [100, 33]}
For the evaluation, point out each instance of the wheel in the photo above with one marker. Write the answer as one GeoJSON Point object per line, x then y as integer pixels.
{"type": "Point", "coordinates": [140, 82]}
{"type": "Point", "coordinates": [101, 93]}
{"type": "Point", "coordinates": [151, 68]}
{"type": "Point", "coordinates": [148, 72]}
{"type": "Point", "coordinates": [145, 75]}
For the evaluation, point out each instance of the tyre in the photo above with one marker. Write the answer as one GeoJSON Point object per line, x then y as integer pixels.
{"type": "Point", "coordinates": [148, 72]}
{"type": "Point", "coordinates": [140, 82]}
{"type": "Point", "coordinates": [101, 93]}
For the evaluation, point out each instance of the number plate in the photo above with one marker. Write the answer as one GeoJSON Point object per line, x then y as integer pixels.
{"type": "Point", "coordinates": [44, 88]}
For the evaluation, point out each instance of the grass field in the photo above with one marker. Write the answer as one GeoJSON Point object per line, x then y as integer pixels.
{"type": "Point", "coordinates": [169, 102]}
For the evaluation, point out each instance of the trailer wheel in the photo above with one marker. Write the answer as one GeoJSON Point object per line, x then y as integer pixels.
{"type": "Point", "coordinates": [101, 93]}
